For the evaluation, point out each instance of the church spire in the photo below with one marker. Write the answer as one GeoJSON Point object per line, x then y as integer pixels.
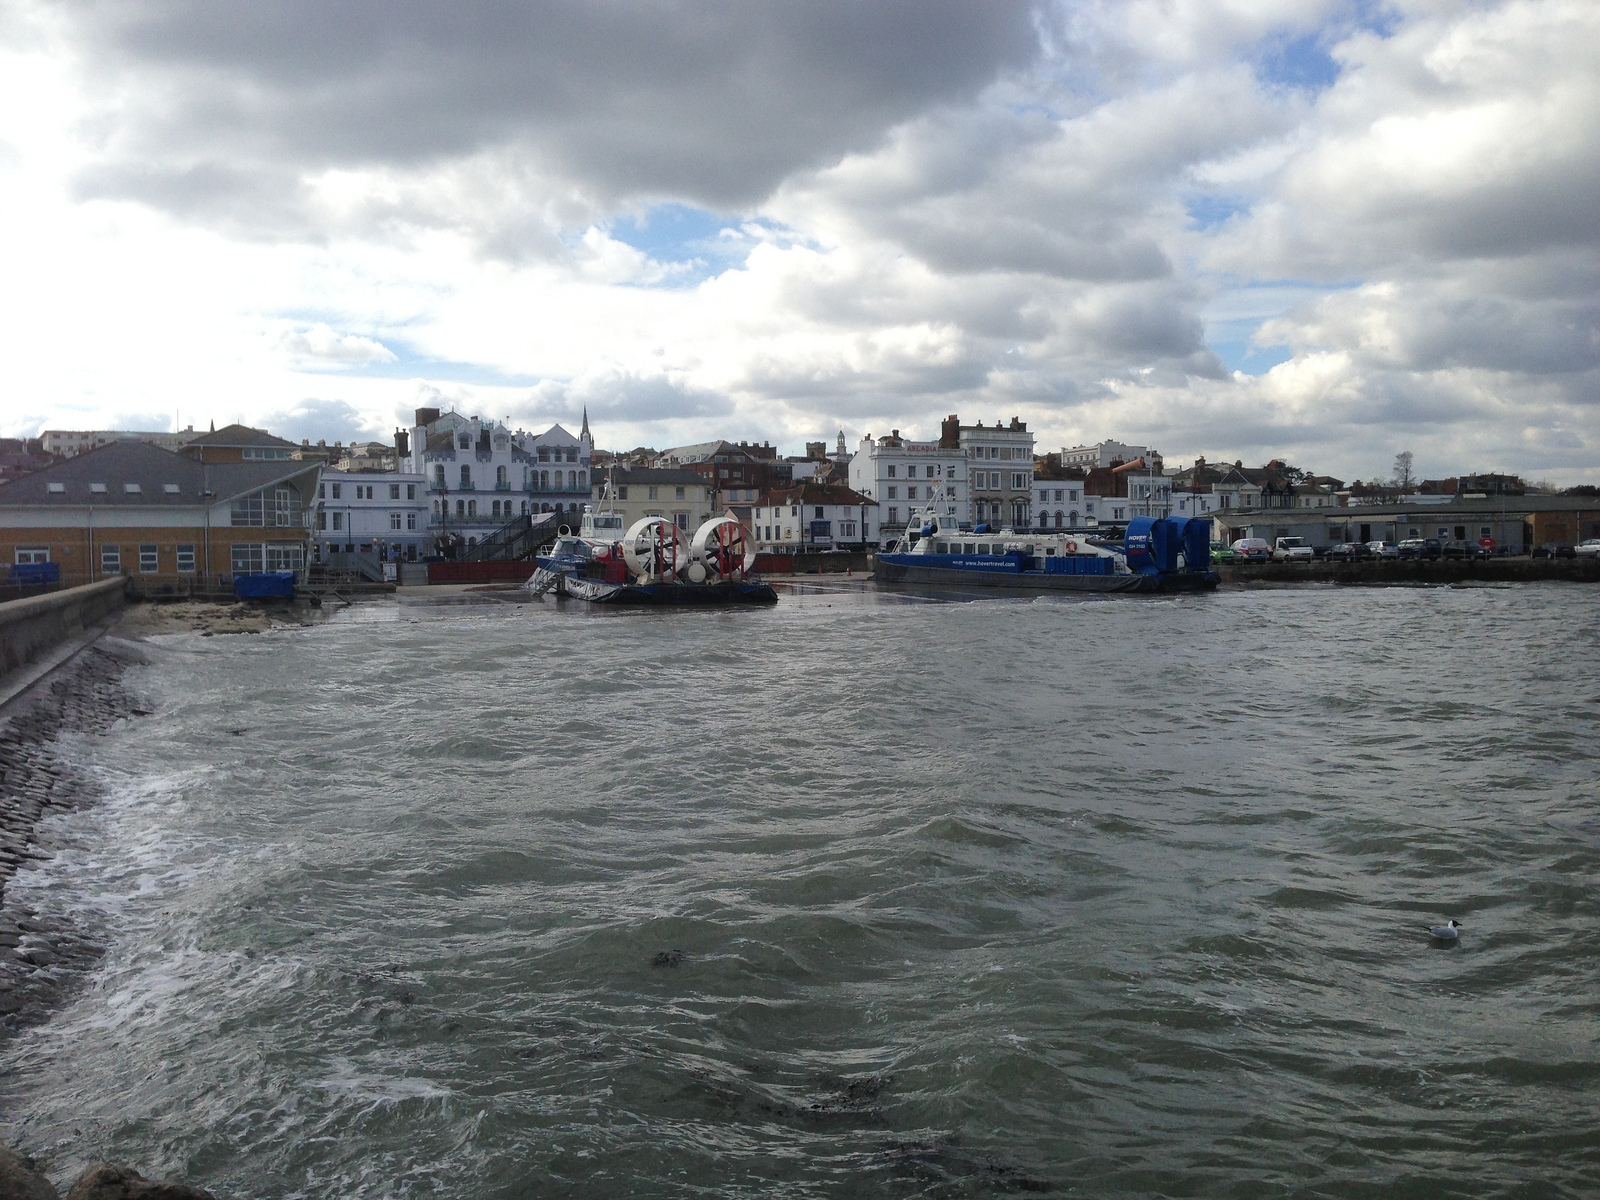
{"type": "Point", "coordinates": [585, 435]}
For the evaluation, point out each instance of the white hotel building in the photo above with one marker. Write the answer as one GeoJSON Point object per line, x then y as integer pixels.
{"type": "Point", "coordinates": [901, 475]}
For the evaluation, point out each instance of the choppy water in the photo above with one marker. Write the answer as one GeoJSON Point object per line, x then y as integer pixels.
{"type": "Point", "coordinates": [1108, 898]}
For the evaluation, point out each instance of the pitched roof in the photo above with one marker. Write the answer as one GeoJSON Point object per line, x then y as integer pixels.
{"type": "Point", "coordinates": [816, 493]}
{"type": "Point", "coordinates": [241, 435]}
{"type": "Point", "coordinates": [150, 469]}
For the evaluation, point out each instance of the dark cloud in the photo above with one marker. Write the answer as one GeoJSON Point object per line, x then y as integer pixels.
{"type": "Point", "coordinates": [228, 105]}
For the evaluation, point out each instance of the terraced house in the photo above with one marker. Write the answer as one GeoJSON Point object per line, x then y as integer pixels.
{"type": "Point", "coordinates": [166, 519]}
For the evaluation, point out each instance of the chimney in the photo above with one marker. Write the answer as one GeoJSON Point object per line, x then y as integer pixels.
{"type": "Point", "coordinates": [950, 432]}
{"type": "Point", "coordinates": [402, 443]}
{"type": "Point", "coordinates": [427, 416]}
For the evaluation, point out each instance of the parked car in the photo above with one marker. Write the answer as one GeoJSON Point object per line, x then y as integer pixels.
{"type": "Point", "coordinates": [1292, 549]}
{"type": "Point", "coordinates": [1384, 549]}
{"type": "Point", "coordinates": [1420, 548]}
{"type": "Point", "coordinates": [1554, 550]}
{"type": "Point", "coordinates": [1252, 549]}
{"type": "Point", "coordinates": [1588, 548]}
{"type": "Point", "coordinates": [1221, 552]}
{"type": "Point", "coordinates": [1463, 549]}
{"type": "Point", "coordinates": [1348, 552]}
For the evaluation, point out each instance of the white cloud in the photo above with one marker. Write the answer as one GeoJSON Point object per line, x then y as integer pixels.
{"type": "Point", "coordinates": [962, 220]}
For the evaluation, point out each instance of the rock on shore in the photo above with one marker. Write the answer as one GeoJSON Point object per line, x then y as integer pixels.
{"type": "Point", "coordinates": [19, 1180]}
{"type": "Point", "coordinates": [38, 954]}
{"type": "Point", "coordinates": [204, 617]}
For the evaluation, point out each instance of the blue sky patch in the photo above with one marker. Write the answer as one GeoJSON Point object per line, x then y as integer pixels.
{"type": "Point", "coordinates": [1303, 64]}
{"type": "Point", "coordinates": [687, 237]}
{"type": "Point", "coordinates": [1206, 212]}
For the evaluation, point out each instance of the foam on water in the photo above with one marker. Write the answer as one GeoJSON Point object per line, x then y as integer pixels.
{"type": "Point", "coordinates": [855, 895]}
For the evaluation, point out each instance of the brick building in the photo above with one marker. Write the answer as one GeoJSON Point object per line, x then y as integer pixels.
{"type": "Point", "coordinates": [130, 508]}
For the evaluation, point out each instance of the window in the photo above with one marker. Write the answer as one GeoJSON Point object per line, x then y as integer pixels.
{"type": "Point", "coordinates": [186, 558]}
{"type": "Point", "coordinates": [466, 476]}
{"type": "Point", "coordinates": [110, 560]}
{"type": "Point", "coordinates": [891, 470]}
{"type": "Point", "coordinates": [1485, 531]}
{"type": "Point", "coordinates": [544, 453]}
{"type": "Point", "coordinates": [394, 518]}
{"type": "Point", "coordinates": [464, 442]}
{"type": "Point", "coordinates": [950, 492]}
{"type": "Point", "coordinates": [411, 491]}
{"type": "Point", "coordinates": [931, 472]}
{"type": "Point", "coordinates": [322, 491]}
{"type": "Point", "coordinates": [572, 480]}
{"type": "Point", "coordinates": [911, 493]}
{"type": "Point", "coordinates": [338, 520]}
{"type": "Point", "coordinates": [679, 496]}
{"type": "Point", "coordinates": [411, 517]}
{"type": "Point", "coordinates": [681, 520]}
{"type": "Point", "coordinates": [337, 487]}
{"type": "Point", "coordinates": [461, 508]}
{"type": "Point", "coordinates": [794, 510]}
{"type": "Point", "coordinates": [622, 493]}
{"type": "Point", "coordinates": [472, 508]}
{"type": "Point", "coordinates": [394, 489]}
{"type": "Point", "coordinates": [500, 480]}
{"type": "Point", "coordinates": [653, 492]}
{"type": "Point", "coordinates": [1019, 481]}
{"type": "Point", "coordinates": [149, 560]}
{"type": "Point", "coordinates": [819, 512]}
{"type": "Point", "coordinates": [58, 487]}
{"type": "Point", "coordinates": [572, 454]}
{"type": "Point", "coordinates": [438, 474]}
{"type": "Point", "coordinates": [97, 487]}
{"type": "Point", "coordinates": [894, 493]}
{"type": "Point", "coordinates": [894, 515]}
{"type": "Point", "coordinates": [32, 554]}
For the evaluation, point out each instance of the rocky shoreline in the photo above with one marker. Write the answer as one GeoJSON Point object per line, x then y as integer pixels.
{"type": "Point", "coordinates": [39, 954]}
{"type": "Point", "coordinates": [42, 956]}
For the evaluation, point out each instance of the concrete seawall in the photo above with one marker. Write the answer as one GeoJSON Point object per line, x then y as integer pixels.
{"type": "Point", "coordinates": [1414, 570]}
{"type": "Point", "coordinates": [33, 626]}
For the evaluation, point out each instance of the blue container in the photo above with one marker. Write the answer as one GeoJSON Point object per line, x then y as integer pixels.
{"type": "Point", "coordinates": [34, 574]}
{"type": "Point", "coordinates": [272, 585]}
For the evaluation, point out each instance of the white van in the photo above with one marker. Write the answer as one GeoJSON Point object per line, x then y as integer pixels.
{"type": "Point", "coordinates": [1292, 549]}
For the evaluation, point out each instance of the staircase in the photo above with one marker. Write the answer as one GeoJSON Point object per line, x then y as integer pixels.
{"type": "Point", "coordinates": [517, 539]}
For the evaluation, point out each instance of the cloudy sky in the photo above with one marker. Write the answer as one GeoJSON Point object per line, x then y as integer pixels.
{"type": "Point", "coordinates": [1323, 230]}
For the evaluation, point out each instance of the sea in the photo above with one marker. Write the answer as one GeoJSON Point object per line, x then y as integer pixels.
{"type": "Point", "coordinates": [868, 894]}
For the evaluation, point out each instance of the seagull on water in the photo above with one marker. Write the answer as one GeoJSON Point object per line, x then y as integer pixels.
{"type": "Point", "coordinates": [1448, 932]}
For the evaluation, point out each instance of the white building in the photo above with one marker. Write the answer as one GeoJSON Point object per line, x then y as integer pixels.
{"type": "Point", "coordinates": [1060, 504]}
{"type": "Point", "coordinates": [481, 475]}
{"type": "Point", "coordinates": [901, 474]}
{"type": "Point", "coordinates": [999, 470]}
{"type": "Point", "coordinates": [1101, 454]}
{"type": "Point", "coordinates": [369, 512]}
{"type": "Point", "coordinates": [814, 516]}
{"type": "Point", "coordinates": [68, 442]}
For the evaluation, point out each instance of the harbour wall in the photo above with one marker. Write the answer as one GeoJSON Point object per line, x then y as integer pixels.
{"type": "Point", "coordinates": [1399, 571]}
{"type": "Point", "coordinates": [34, 625]}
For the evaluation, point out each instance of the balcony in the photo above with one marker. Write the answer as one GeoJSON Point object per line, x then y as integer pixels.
{"type": "Point", "coordinates": [502, 486]}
